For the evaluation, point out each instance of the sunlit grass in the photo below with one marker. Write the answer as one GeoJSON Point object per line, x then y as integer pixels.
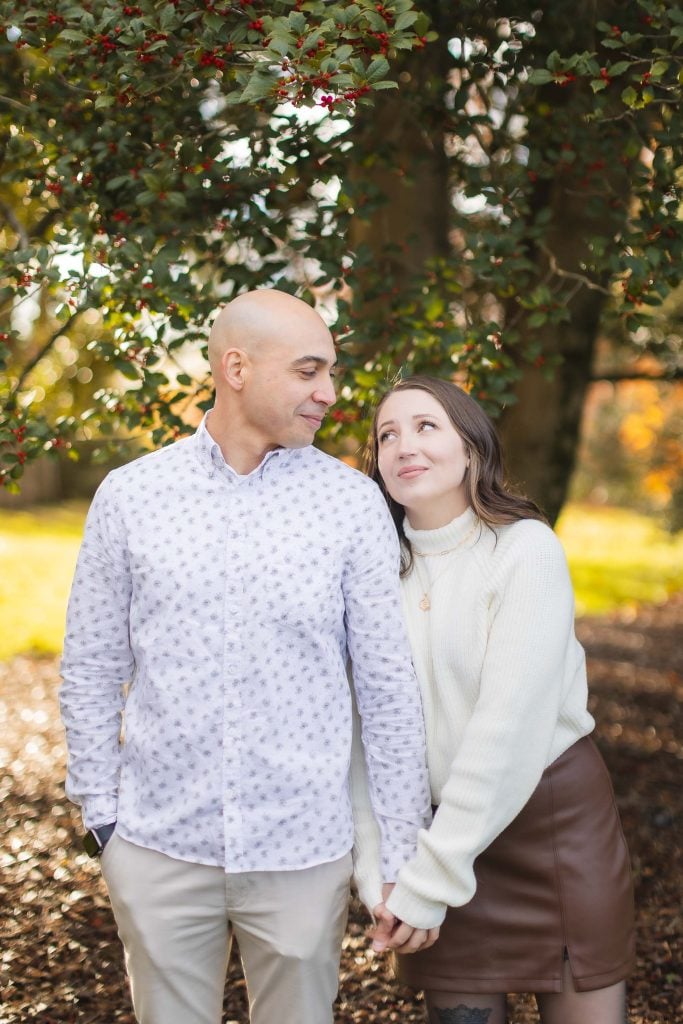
{"type": "Point", "coordinates": [617, 559]}
{"type": "Point", "coordinates": [38, 552]}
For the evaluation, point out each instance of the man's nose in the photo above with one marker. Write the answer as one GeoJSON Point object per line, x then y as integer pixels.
{"type": "Point", "coordinates": [325, 394]}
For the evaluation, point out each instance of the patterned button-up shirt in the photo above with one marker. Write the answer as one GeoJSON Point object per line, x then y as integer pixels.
{"type": "Point", "coordinates": [230, 604]}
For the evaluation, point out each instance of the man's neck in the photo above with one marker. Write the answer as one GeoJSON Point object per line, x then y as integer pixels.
{"type": "Point", "coordinates": [238, 453]}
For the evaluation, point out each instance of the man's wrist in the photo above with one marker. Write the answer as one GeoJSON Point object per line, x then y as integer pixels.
{"type": "Point", "coordinates": [95, 839]}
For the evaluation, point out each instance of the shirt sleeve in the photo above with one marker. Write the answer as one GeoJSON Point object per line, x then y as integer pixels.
{"type": "Point", "coordinates": [507, 741]}
{"type": "Point", "coordinates": [386, 690]}
{"type": "Point", "coordinates": [97, 661]}
{"type": "Point", "coordinates": [367, 873]}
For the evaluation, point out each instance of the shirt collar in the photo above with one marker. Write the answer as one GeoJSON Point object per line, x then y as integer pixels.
{"type": "Point", "coordinates": [212, 460]}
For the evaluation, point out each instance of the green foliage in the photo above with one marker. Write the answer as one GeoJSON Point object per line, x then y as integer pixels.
{"type": "Point", "coordinates": [144, 175]}
{"type": "Point", "coordinates": [158, 158]}
{"type": "Point", "coordinates": [564, 200]}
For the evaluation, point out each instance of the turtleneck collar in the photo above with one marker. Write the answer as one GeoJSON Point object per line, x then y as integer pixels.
{"type": "Point", "coordinates": [443, 538]}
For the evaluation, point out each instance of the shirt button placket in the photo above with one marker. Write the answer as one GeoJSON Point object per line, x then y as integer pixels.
{"type": "Point", "coordinates": [233, 627]}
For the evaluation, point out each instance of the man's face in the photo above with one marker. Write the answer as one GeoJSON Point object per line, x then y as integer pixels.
{"type": "Point", "coordinates": [290, 386]}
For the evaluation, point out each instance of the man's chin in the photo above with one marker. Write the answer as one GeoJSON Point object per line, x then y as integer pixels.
{"type": "Point", "coordinates": [300, 439]}
{"type": "Point", "coordinates": [302, 433]}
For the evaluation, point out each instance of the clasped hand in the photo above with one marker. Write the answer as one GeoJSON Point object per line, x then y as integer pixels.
{"type": "Point", "coordinates": [390, 933]}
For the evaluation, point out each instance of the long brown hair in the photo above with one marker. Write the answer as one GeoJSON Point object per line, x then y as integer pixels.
{"type": "Point", "coordinates": [485, 488]}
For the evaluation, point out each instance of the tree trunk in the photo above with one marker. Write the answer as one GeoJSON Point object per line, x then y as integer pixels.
{"type": "Point", "coordinates": [540, 433]}
{"type": "Point", "coordinates": [402, 174]}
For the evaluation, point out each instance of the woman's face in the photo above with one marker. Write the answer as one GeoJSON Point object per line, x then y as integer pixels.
{"type": "Point", "coordinates": [422, 458]}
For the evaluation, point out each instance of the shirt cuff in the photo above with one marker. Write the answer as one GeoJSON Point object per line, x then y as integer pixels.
{"type": "Point", "coordinates": [99, 812]}
{"type": "Point", "coordinates": [368, 885]}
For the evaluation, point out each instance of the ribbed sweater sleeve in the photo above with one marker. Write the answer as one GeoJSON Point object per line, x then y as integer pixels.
{"type": "Point", "coordinates": [527, 603]}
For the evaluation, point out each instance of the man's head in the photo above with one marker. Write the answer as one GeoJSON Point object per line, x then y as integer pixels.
{"type": "Point", "coordinates": [272, 359]}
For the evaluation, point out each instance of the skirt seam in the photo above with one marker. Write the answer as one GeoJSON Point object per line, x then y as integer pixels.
{"type": "Point", "coordinates": [601, 761]}
{"type": "Point", "coordinates": [558, 876]}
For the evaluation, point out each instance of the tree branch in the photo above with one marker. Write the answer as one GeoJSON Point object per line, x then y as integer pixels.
{"type": "Point", "coordinates": [663, 378]}
{"type": "Point", "coordinates": [11, 218]}
{"type": "Point", "coordinates": [572, 275]}
{"type": "Point", "coordinates": [14, 103]}
{"type": "Point", "coordinates": [42, 352]}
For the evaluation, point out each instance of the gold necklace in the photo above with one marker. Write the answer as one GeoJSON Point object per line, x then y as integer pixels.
{"type": "Point", "coordinates": [425, 604]}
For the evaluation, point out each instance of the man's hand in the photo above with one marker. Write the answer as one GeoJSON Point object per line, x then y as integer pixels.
{"type": "Point", "coordinates": [385, 922]}
{"type": "Point", "coordinates": [390, 933]}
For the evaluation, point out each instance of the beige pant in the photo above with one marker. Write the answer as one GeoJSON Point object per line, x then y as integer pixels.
{"type": "Point", "coordinates": [176, 921]}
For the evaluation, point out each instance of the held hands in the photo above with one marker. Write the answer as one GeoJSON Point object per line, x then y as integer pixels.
{"type": "Point", "coordinates": [390, 933]}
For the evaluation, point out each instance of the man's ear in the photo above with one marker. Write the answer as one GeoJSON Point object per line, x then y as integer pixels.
{"type": "Point", "coordinates": [234, 366]}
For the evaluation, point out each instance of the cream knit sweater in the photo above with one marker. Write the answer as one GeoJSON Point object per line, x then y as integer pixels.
{"type": "Point", "coordinates": [504, 692]}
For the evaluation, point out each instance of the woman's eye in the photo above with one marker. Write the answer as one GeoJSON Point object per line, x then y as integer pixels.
{"type": "Point", "coordinates": [427, 424]}
{"type": "Point", "coordinates": [385, 436]}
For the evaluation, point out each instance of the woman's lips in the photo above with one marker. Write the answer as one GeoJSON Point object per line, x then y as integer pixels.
{"type": "Point", "coordinates": [409, 472]}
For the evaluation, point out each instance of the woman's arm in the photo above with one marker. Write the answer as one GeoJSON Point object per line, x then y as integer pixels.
{"type": "Point", "coordinates": [531, 649]}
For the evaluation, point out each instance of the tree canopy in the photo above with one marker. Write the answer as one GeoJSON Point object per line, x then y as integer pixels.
{"type": "Point", "coordinates": [470, 189]}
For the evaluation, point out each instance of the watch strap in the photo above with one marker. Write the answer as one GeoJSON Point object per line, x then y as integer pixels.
{"type": "Point", "coordinates": [95, 840]}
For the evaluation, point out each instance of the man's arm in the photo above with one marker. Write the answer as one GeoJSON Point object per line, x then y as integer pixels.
{"type": "Point", "coordinates": [387, 931]}
{"type": "Point", "coordinates": [386, 690]}
{"type": "Point", "coordinates": [367, 873]}
{"type": "Point", "coordinates": [97, 661]}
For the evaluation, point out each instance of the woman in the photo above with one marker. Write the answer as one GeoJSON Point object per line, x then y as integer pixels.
{"type": "Point", "coordinates": [525, 866]}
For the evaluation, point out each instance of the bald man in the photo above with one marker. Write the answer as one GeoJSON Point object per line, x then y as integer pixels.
{"type": "Point", "coordinates": [223, 585]}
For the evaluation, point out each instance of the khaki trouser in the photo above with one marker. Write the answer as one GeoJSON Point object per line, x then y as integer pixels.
{"type": "Point", "coordinates": [176, 921]}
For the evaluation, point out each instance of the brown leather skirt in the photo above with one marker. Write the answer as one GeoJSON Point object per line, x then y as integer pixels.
{"type": "Point", "coordinates": [554, 885]}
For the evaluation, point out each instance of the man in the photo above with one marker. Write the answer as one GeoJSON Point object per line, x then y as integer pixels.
{"type": "Point", "coordinates": [227, 577]}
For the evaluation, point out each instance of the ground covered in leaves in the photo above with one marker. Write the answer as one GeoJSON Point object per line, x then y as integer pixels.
{"type": "Point", "coordinates": [61, 962]}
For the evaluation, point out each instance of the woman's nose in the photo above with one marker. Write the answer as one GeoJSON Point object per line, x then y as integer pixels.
{"type": "Point", "coordinates": [406, 447]}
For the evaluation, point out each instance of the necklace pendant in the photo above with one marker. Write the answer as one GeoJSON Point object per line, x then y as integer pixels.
{"type": "Point", "coordinates": [425, 603]}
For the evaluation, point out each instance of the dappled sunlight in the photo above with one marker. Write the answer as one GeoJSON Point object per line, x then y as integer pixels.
{"type": "Point", "coordinates": [62, 962]}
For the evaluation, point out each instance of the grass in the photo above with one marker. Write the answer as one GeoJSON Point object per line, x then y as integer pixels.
{"type": "Point", "coordinates": [618, 559]}
{"type": "Point", "coordinates": [38, 551]}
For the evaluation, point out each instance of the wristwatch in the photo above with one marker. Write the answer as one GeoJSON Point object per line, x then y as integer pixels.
{"type": "Point", "coordinates": [96, 839]}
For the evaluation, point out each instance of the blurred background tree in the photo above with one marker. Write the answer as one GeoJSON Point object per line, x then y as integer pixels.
{"type": "Point", "coordinates": [513, 202]}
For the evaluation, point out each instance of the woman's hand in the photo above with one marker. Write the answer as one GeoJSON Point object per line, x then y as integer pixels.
{"type": "Point", "coordinates": [406, 939]}
{"type": "Point", "coordinates": [390, 933]}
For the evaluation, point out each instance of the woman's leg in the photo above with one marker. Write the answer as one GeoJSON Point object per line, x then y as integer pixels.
{"type": "Point", "coordinates": [601, 1006]}
{"type": "Point", "coordinates": [466, 1008]}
